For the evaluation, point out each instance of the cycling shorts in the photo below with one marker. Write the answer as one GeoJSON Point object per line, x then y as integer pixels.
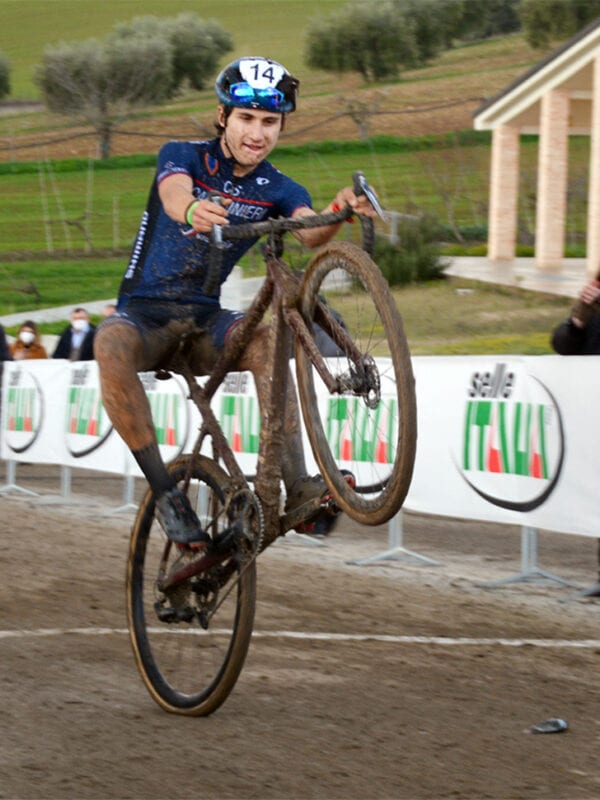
{"type": "Point", "coordinates": [148, 316]}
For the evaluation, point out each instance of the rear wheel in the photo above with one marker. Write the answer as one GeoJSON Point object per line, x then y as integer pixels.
{"type": "Point", "coordinates": [369, 424]}
{"type": "Point", "coordinates": [190, 637]}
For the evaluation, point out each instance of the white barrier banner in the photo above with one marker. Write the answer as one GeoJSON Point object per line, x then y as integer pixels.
{"type": "Point", "coordinates": [508, 439]}
{"type": "Point", "coordinates": [501, 438]}
{"type": "Point", "coordinates": [52, 413]}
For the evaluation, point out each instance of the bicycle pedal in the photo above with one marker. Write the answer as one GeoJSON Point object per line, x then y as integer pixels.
{"type": "Point", "coordinates": [193, 547]}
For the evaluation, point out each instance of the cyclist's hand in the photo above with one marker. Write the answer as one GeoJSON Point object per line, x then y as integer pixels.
{"type": "Point", "coordinates": [359, 204]}
{"type": "Point", "coordinates": [206, 213]}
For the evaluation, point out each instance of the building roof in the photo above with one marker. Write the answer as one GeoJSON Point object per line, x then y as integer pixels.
{"type": "Point", "coordinates": [569, 67]}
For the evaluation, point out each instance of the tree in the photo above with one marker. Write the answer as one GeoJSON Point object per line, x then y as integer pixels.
{"type": "Point", "coordinates": [141, 64]}
{"type": "Point", "coordinates": [4, 76]}
{"type": "Point", "coordinates": [360, 111]}
{"type": "Point", "coordinates": [373, 40]}
{"type": "Point", "coordinates": [103, 82]}
{"type": "Point", "coordinates": [377, 39]}
{"type": "Point", "coordinates": [547, 22]}
{"type": "Point", "coordinates": [197, 45]}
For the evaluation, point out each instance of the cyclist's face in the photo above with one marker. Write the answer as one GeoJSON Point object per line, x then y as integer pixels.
{"type": "Point", "coordinates": [250, 135]}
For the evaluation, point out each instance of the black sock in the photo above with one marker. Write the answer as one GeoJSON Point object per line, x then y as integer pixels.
{"type": "Point", "coordinates": [152, 466]}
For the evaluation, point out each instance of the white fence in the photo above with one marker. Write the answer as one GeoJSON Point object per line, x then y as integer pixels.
{"type": "Point", "coordinates": [501, 438]}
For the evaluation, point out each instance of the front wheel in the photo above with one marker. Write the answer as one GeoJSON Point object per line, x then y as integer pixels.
{"type": "Point", "coordinates": [368, 425]}
{"type": "Point", "coordinates": [190, 637]}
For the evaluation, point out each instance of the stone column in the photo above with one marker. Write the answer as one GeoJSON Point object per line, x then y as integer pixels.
{"type": "Point", "coordinates": [552, 180]}
{"type": "Point", "coordinates": [593, 217]}
{"type": "Point", "coordinates": [504, 192]}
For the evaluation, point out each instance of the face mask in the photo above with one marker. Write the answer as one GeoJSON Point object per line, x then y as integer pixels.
{"type": "Point", "coordinates": [80, 324]}
{"type": "Point", "coordinates": [27, 337]}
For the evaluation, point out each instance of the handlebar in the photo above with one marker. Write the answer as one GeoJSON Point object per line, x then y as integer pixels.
{"type": "Point", "coordinates": [277, 227]}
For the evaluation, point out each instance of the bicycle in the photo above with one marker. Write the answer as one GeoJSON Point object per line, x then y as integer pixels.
{"type": "Point", "coordinates": [190, 614]}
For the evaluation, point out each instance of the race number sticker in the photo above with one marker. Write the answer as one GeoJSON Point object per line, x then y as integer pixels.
{"type": "Point", "coordinates": [260, 73]}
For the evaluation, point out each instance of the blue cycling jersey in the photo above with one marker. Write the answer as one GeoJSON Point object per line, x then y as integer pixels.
{"type": "Point", "coordinates": [169, 259]}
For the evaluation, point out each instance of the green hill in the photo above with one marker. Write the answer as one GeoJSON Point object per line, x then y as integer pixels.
{"type": "Point", "coordinates": [67, 220]}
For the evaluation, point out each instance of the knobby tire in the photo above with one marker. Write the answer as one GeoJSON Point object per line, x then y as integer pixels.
{"type": "Point", "coordinates": [349, 282]}
{"type": "Point", "coordinates": [186, 669]}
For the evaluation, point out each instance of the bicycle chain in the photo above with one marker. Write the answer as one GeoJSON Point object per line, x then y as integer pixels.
{"type": "Point", "coordinates": [252, 499]}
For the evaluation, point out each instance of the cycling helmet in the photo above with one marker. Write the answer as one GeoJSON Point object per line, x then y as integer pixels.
{"type": "Point", "coordinates": [255, 82]}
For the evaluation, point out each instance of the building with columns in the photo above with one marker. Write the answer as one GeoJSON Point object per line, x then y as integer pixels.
{"type": "Point", "coordinates": [557, 98]}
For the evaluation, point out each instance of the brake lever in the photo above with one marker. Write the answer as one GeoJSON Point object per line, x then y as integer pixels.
{"type": "Point", "coordinates": [211, 282]}
{"type": "Point", "coordinates": [217, 230]}
{"type": "Point", "coordinates": [362, 187]}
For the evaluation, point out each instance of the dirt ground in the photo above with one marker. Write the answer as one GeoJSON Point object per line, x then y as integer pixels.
{"type": "Point", "coordinates": [425, 687]}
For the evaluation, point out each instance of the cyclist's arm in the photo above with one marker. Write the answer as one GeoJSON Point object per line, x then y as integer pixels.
{"type": "Point", "coordinates": [314, 237]}
{"type": "Point", "coordinates": [175, 192]}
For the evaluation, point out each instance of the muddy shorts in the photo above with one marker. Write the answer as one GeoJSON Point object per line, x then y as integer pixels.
{"type": "Point", "coordinates": [163, 323]}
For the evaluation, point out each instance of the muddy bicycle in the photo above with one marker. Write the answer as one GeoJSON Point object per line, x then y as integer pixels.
{"type": "Point", "coordinates": [190, 613]}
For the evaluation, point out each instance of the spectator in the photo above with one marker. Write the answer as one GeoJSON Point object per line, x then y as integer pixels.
{"type": "Point", "coordinates": [4, 348]}
{"type": "Point", "coordinates": [76, 342]}
{"type": "Point", "coordinates": [109, 310]}
{"type": "Point", "coordinates": [579, 335]}
{"type": "Point", "coordinates": [28, 343]}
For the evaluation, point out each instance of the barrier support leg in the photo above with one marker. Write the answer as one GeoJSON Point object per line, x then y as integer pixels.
{"type": "Point", "coordinates": [303, 538]}
{"type": "Point", "coordinates": [593, 591]}
{"type": "Point", "coordinates": [529, 567]}
{"type": "Point", "coordinates": [128, 495]}
{"type": "Point", "coordinates": [11, 485]}
{"type": "Point", "coordinates": [396, 551]}
{"type": "Point", "coordinates": [65, 482]}
{"type": "Point", "coordinates": [65, 497]}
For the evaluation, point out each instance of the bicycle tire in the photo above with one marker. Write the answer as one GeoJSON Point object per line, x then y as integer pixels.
{"type": "Point", "coordinates": [187, 669]}
{"type": "Point", "coordinates": [351, 284]}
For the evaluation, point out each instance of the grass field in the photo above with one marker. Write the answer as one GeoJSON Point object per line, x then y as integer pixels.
{"type": "Point", "coordinates": [87, 207]}
{"type": "Point", "coordinates": [273, 27]}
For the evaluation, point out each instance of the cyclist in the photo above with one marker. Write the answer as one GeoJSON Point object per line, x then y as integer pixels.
{"type": "Point", "coordinates": [161, 296]}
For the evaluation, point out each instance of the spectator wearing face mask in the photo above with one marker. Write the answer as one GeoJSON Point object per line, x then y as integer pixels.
{"type": "Point", "coordinates": [28, 344]}
{"type": "Point", "coordinates": [76, 342]}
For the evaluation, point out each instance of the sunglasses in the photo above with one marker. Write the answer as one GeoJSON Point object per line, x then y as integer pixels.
{"type": "Point", "coordinates": [268, 98]}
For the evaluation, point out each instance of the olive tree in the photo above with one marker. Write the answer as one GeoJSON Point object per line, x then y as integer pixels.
{"type": "Point", "coordinates": [140, 64]}
{"type": "Point", "coordinates": [379, 39]}
{"type": "Point", "coordinates": [102, 82]}
{"type": "Point", "coordinates": [4, 76]}
{"type": "Point", "coordinates": [546, 22]}
{"type": "Point", "coordinates": [197, 45]}
{"type": "Point", "coordinates": [371, 39]}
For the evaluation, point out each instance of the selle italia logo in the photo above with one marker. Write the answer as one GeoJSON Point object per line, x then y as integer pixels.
{"type": "Point", "coordinates": [170, 413]}
{"type": "Point", "coordinates": [87, 425]}
{"type": "Point", "coordinates": [24, 410]}
{"type": "Point", "coordinates": [239, 414]}
{"type": "Point", "coordinates": [513, 439]}
{"type": "Point", "coordinates": [356, 433]}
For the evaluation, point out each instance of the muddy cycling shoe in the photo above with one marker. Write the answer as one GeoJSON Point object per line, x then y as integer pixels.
{"type": "Point", "coordinates": [303, 490]}
{"type": "Point", "coordinates": [178, 520]}
{"type": "Point", "coordinates": [323, 524]}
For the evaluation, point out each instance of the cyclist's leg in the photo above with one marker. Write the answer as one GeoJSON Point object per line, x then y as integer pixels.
{"type": "Point", "coordinates": [293, 464]}
{"type": "Point", "coordinates": [123, 346]}
{"type": "Point", "coordinates": [205, 352]}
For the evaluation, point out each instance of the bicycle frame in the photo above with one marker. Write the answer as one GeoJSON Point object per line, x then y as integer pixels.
{"type": "Point", "coordinates": [279, 293]}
